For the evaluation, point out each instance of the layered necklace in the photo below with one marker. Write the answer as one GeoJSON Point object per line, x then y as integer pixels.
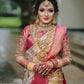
{"type": "Point", "coordinates": [44, 43]}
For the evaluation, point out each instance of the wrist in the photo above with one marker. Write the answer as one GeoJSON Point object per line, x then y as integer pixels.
{"type": "Point", "coordinates": [60, 63]}
{"type": "Point", "coordinates": [36, 67]}
{"type": "Point", "coordinates": [29, 65]}
{"type": "Point", "coordinates": [52, 62]}
{"type": "Point", "coordinates": [57, 63]}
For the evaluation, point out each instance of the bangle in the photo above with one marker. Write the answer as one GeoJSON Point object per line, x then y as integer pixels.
{"type": "Point", "coordinates": [27, 64]}
{"type": "Point", "coordinates": [59, 63]}
{"type": "Point", "coordinates": [52, 63]}
{"type": "Point", "coordinates": [56, 62]}
{"type": "Point", "coordinates": [37, 68]}
{"type": "Point", "coordinates": [30, 66]}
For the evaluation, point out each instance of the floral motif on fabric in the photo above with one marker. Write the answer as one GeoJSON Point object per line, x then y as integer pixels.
{"type": "Point", "coordinates": [22, 44]}
{"type": "Point", "coordinates": [66, 54]}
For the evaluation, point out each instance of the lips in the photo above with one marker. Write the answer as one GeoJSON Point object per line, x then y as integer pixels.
{"type": "Point", "coordinates": [45, 18]}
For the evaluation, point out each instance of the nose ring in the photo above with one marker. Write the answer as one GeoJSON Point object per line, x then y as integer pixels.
{"type": "Point", "coordinates": [47, 14]}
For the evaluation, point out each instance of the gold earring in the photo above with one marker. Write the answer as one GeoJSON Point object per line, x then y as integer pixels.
{"type": "Point", "coordinates": [37, 20]}
{"type": "Point", "coordinates": [54, 22]}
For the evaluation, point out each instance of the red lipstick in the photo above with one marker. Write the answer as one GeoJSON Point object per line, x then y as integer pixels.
{"type": "Point", "coordinates": [45, 18]}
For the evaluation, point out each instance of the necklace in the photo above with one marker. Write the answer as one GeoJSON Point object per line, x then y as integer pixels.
{"type": "Point", "coordinates": [43, 44]}
{"type": "Point", "coordinates": [44, 27]}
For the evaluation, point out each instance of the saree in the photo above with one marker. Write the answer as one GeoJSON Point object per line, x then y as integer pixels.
{"type": "Point", "coordinates": [58, 40]}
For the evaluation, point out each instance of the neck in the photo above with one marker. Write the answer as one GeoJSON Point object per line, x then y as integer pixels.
{"type": "Point", "coordinates": [45, 24]}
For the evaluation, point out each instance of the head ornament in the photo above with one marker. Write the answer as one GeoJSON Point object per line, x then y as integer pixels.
{"type": "Point", "coordinates": [46, 3]}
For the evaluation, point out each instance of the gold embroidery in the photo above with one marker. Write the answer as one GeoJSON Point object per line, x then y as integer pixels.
{"type": "Point", "coordinates": [56, 77]}
{"type": "Point", "coordinates": [21, 48]}
{"type": "Point", "coordinates": [66, 54]}
{"type": "Point", "coordinates": [42, 45]}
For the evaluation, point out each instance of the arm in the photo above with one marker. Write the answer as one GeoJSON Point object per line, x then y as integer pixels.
{"type": "Point", "coordinates": [21, 49]}
{"type": "Point", "coordinates": [66, 55]}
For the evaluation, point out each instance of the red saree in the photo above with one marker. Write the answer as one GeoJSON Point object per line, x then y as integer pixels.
{"type": "Point", "coordinates": [59, 43]}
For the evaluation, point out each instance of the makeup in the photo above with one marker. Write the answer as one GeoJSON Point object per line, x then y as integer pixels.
{"type": "Point", "coordinates": [45, 18]}
{"type": "Point", "coordinates": [46, 14]}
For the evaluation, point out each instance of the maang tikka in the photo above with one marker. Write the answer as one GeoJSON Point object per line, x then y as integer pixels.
{"type": "Point", "coordinates": [46, 3]}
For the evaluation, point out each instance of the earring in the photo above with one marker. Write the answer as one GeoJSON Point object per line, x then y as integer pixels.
{"type": "Point", "coordinates": [54, 21]}
{"type": "Point", "coordinates": [37, 20]}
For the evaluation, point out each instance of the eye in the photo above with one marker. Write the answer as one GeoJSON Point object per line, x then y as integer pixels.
{"type": "Point", "coordinates": [42, 10]}
{"type": "Point", "coordinates": [50, 10]}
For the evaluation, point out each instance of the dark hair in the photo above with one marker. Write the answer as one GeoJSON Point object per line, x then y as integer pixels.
{"type": "Point", "coordinates": [38, 2]}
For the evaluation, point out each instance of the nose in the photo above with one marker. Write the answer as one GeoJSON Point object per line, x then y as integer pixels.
{"type": "Point", "coordinates": [46, 13]}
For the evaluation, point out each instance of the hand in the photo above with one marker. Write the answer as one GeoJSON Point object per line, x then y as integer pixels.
{"type": "Point", "coordinates": [45, 68]}
{"type": "Point", "coordinates": [49, 68]}
{"type": "Point", "coordinates": [49, 64]}
{"type": "Point", "coordinates": [39, 68]}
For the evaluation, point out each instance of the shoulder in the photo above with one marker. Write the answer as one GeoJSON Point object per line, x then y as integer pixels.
{"type": "Point", "coordinates": [25, 30]}
{"type": "Point", "coordinates": [61, 28]}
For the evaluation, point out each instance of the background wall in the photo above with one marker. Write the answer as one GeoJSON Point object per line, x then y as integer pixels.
{"type": "Point", "coordinates": [71, 13]}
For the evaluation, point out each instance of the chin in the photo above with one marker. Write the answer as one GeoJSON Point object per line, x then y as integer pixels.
{"type": "Point", "coordinates": [46, 22]}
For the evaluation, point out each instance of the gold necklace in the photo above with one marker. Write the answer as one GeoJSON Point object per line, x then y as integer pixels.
{"type": "Point", "coordinates": [44, 27]}
{"type": "Point", "coordinates": [43, 44]}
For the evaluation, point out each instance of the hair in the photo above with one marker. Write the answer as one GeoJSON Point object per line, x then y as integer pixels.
{"type": "Point", "coordinates": [38, 2]}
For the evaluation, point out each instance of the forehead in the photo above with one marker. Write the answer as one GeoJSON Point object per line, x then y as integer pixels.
{"type": "Point", "coordinates": [50, 5]}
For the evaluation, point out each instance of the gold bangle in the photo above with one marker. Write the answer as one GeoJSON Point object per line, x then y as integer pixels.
{"type": "Point", "coordinates": [59, 63]}
{"type": "Point", "coordinates": [30, 66]}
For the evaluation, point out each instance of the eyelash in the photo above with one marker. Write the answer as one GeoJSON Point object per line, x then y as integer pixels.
{"type": "Point", "coordinates": [42, 10]}
{"type": "Point", "coordinates": [50, 10]}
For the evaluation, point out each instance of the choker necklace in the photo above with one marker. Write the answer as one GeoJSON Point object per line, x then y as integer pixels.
{"type": "Point", "coordinates": [44, 27]}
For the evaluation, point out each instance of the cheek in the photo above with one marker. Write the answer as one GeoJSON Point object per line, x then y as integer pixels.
{"type": "Point", "coordinates": [40, 14]}
{"type": "Point", "coordinates": [52, 15]}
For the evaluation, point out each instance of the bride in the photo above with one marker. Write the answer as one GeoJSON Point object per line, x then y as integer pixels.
{"type": "Point", "coordinates": [46, 47]}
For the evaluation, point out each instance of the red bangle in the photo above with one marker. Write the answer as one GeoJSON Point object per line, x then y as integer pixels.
{"type": "Point", "coordinates": [27, 64]}
{"type": "Point", "coordinates": [56, 62]}
{"type": "Point", "coordinates": [52, 63]}
{"type": "Point", "coordinates": [35, 67]}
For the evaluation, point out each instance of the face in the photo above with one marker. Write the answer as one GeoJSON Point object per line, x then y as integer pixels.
{"type": "Point", "coordinates": [46, 13]}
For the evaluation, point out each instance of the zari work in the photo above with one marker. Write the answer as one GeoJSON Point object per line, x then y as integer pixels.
{"type": "Point", "coordinates": [28, 47]}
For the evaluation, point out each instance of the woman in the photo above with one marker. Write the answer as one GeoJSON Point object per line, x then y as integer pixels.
{"type": "Point", "coordinates": [46, 47]}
